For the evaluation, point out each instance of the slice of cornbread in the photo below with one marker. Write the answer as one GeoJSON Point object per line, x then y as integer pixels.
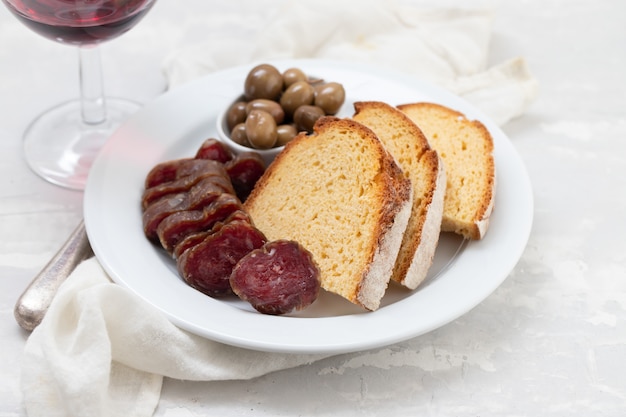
{"type": "Point", "coordinates": [421, 165]}
{"type": "Point", "coordinates": [466, 147]}
{"type": "Point", "coordinates": [341, 195]}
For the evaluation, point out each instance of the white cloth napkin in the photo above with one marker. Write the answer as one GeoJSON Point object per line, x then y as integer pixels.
{"type": "Point", "coordinates": [101, 351]}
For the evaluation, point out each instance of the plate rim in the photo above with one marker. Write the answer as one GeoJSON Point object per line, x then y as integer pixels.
{"type": "Point", "coordinates": [334, 328]}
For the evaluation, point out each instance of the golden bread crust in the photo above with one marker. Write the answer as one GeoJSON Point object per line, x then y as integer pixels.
{"type": "Point", "coordinates": [421, 165]}
{"type": "Point", "coordinates": [466, 147]}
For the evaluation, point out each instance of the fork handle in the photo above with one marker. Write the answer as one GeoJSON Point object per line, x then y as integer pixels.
{"type": "Point", "coordinates": [33, 304]}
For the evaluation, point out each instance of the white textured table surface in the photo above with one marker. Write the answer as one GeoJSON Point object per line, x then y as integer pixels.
{"type": "Point", "coordinates": [551, 341]}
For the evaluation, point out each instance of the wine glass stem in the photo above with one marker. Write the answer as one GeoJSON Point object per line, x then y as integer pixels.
{"type": "Point", "coordinates": [91, 85]}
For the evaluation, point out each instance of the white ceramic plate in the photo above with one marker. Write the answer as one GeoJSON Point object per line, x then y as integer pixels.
{"type": "Point", "coordinates": [175, 124]}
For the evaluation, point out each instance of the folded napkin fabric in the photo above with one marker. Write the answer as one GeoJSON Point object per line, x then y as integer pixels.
{"type": "Point", "coordinates": [102, 351]}
{"type": "Point", "coordinates": [448, 46]}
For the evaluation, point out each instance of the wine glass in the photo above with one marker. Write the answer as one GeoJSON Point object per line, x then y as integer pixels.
{"type": "Point", "coordinates": [61, 144]}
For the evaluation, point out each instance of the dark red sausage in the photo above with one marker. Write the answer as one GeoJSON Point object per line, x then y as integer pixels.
{"type": "Point", "coordinates": [214, 150]}
{"type": "Point", "coordinates": [177, 226]}
{"type": "Point", "coordinates": [244, 171]}
{"type": "Point", "coordinates": [195, 238]}
{"type": "Point", "coordinates": [157, 212]}
{"type": "Point", "coordinates": [200, 196]}
{"type": "Point", "coordinates": [164, 172]}
{"type": "Point", "coordinates": [189, 242]}
{"type": "Point", "coordinates": [278, 278]}
{"type": "Point", "coordinates": [175, 169]}
{"type": "Point", "coordinates": [207, 266]}
{"type": "Point", "coordinates": [206, 169]}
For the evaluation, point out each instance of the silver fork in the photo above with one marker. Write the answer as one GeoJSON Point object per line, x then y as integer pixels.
{"type": "Point", "coordinates": [33, 304]}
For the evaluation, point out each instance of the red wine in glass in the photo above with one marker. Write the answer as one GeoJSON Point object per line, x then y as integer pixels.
{"type": "Point", "coordinates": [62, 143]}
{"type": "Point", "coordinates": [79, 22]}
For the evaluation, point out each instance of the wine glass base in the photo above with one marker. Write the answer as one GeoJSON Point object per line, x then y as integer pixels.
{"type": "Point", "coordinates": [60, 147]}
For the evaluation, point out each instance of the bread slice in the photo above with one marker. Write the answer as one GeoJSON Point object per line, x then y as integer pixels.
{"type": "Point", "coordinates": [341, 195]}
{"type": "Point", "coordinates": [422, 166]}
{"type": "Point", "coordinates": [466, 148]}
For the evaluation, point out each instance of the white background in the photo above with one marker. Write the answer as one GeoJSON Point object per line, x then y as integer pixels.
{"type": "Point", "coordinates": [551, 341]}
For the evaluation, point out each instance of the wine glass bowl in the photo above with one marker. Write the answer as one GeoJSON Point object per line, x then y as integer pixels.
{"type": "Point", "coordinates": [79, 22]}
{"type": "Point", "coordinates": [61, 144]}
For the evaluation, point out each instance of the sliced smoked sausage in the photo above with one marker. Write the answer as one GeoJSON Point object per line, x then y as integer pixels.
{"type": "Point", "coordinates": [207, 265]}
{"type": "Point", "coordinates": [278, 278]}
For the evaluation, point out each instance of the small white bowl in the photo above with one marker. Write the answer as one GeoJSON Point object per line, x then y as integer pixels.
{"type": "Point", "coordinates": [267, 155]}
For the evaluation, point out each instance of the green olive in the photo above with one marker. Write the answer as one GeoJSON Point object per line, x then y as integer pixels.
{"type": "Point", "coordinates": [261, 129]}
{"type": "Point", "coordinates": [270, 106]}
{"type": "Point", "coordinates": [285, 134]}
{"type": "Point", "coordinates": [293, 75]}
{"type": "Point", "coordinates": [330, 97]}
{"type": "Point", "coordinates": [298, 94]}
{"type": "Point", "coordinates": [236, 114]}
{"type": "Point", "coordinates": [306, 116]}
{"type": "Point", "coordinates": [263, 81]}
{"type": "Point", "coordinates": [239, 136]}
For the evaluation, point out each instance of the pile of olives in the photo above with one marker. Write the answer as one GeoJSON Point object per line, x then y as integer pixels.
{"type": "Point", "coordinates": [275, 106]}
